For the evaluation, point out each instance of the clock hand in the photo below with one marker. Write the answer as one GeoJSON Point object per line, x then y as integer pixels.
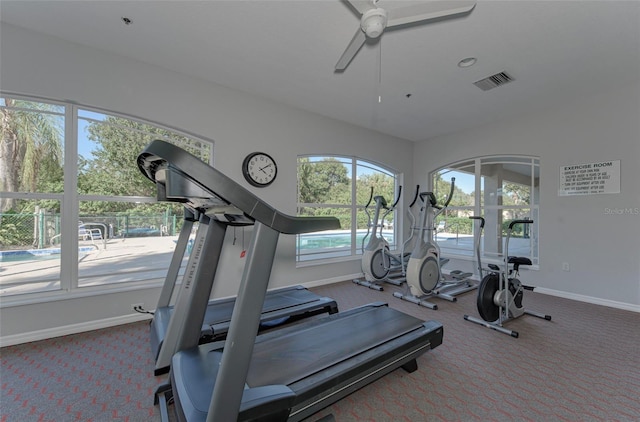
{"type": "Point", "coordinates": [262, 168]}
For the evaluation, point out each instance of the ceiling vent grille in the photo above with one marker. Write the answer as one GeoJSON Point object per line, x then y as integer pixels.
{"type": "Point", "coordinates": [493, 81]}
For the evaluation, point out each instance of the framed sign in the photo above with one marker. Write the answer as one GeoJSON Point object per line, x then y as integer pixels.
{"type": "Point", "coordinates": [590, 178]}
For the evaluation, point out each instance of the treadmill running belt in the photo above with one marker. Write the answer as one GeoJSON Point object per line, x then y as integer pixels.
{"type": "Point", "coordinates": [273, 301]}
{"type": "Point", "coordinates": [292, 357]}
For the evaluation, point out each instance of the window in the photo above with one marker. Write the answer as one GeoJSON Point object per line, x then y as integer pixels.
{"type": "Point", "coordinates": [75, 211]}
{"type": "Point", "coordinates": [500, 189]}
{"type": "Point", "coordinates": [340, 187]}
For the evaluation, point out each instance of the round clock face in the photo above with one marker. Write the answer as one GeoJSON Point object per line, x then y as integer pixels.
{"type": "Point", "coordinates": [259, 169]}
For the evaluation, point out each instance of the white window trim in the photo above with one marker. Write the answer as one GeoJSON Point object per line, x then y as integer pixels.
{"type": "Point", "coordinates": [478, 208]}
{"type": "Point", "coordinates": [70, 201]}
{"type": "Point", "coordinates": [355, 252]}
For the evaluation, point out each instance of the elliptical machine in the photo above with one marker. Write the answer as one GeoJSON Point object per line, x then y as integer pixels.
{"type": "Point", "coordinates": [424, 269]}
{"type": "Point", "coordinates": [500, 294]}
{"type": "Point", "coordinates": [378, 263]}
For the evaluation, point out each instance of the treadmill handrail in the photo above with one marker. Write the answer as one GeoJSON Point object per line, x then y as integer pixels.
{"type": "Point", "coordinates": [163, 155]}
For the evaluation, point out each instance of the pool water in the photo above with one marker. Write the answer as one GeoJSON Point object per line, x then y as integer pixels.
{"type": "Point", "coordinates": [37, 254]}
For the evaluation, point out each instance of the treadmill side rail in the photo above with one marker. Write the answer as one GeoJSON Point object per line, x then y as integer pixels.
{"type": "Point", "coordinates": [267, 403]}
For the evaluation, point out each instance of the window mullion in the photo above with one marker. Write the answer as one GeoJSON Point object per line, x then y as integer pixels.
{"type": "Point", "coordinates": [354, 208]}
{"type": "Point", "coordinates": [69, 206]}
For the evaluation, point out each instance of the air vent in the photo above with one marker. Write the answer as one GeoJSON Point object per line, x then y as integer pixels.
{"type": "Point", "coordinates": [493, 81]}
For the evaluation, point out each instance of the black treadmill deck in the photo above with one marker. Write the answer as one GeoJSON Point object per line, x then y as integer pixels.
{"type": "Point", "coordinates": [293, 302]}
{"type": "Point", "coordinates": [306, 350]}
{"type": "Point", "coordinates": [321, 360]}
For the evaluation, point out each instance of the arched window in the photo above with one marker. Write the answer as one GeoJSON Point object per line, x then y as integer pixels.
{"type": "Point", "coordinates": [500, 189]}
{"type": "Point", "coordinates": [75, 211]}
{"type": "Point", "coordinates": [340, 186]}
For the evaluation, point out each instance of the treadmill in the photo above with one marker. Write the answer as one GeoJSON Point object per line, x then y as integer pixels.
{"type": "Point", "coordinates": [281, 306]}
{"type": "Point", "coordinates": [284, 375]}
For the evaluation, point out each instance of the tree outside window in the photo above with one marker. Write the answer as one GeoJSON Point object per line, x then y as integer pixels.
{"type": "Point", "coordinates": [340, 187]}
{"type": "Point", "coordinates": [118, 232]}
{"type": "Point", "coordinates": [500, 189]}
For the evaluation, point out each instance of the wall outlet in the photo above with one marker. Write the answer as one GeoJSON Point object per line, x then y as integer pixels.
{"type": "Point", "coordinates": [565, 266]}
{"type": "Point", "coordinates": [135, 306]}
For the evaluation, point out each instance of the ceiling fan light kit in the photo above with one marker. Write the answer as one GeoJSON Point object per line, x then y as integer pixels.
{"type": "Point", "coordinates": [373, 22]}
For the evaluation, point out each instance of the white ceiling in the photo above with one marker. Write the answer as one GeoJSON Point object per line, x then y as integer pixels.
{"type": "Point", "coordinates": [286, 50]}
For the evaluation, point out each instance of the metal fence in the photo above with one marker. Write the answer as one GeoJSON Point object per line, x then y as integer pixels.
{"type": "Point", "coordinates": [42, 229]}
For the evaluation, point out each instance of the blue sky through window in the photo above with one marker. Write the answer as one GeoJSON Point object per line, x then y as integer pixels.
{"type": "Point", "coordinates": [85, 119]}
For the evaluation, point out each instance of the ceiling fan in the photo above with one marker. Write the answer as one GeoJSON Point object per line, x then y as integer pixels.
{"type": "Point", "coordinates": [375, 20]}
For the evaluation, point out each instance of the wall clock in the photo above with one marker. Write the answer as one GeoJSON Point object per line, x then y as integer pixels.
{"type": "Point", "coordinates": [259, 169]}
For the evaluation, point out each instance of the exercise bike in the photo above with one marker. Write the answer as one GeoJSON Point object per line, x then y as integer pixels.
{"type": "Point", "coordinates": [500, 292]}
{"type": "Point", "coordinates": [378, 263]}
{"type": "Point", "coordinates": [424, 269]}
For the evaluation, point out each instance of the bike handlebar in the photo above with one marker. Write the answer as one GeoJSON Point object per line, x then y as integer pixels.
{"type": "Point", "coordinates": [514, 222]}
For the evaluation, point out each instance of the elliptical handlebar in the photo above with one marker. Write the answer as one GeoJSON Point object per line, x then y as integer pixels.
{"type": "Point", "coordinates": [415, 197]}
{"type": "Point", "coordinates": [366, 211]}
{"type": "Point", "coordinates": [478, 218]}
{"type": "Point", "coordinates": [397, 199]}
{"type": "Point", "coordinates": [453, 185]}
{"type": "Point", "coordinates": [433, 201]}
{"type": "Point", "coordinates": [370, 198]}
{"type": "Point", "coordinates": [392, 207]}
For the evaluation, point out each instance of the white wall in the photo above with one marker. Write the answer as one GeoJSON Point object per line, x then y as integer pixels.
{"type": "Point", "coordinates": [603, 250]}
{"type": "Point", "coordinates": [33, 64]}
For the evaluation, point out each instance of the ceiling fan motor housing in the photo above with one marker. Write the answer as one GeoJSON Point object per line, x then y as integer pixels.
{"type": "Point", "coordinates": [373, 22]}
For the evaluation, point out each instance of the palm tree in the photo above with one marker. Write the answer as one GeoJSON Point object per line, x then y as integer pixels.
{"type": "Point", "coordinates": [30, 148]}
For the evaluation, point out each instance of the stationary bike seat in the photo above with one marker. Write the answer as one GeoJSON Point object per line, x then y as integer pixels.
{"type": "Point", "coordinates": [518, 260]}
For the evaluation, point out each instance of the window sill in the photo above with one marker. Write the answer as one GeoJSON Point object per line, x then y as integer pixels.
{"type": "Point", "coordinates": [61, 295]}
{"type": "Point", "coordinates": [485, 262]}
{"type": "Point", "coordinates": [327, 261]}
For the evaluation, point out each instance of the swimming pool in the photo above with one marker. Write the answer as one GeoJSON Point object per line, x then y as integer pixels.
{"type": "Point", "coordinates": [37, 254]}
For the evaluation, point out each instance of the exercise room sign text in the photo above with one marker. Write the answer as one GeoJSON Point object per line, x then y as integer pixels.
{"type": "Point", "coordinates": [590, 178]}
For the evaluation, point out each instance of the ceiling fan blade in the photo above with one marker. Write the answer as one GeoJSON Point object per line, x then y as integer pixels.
{"type": "Point", "coordinates": [354, 46]}
{"type": "Point", "coordinates": [361, 6]}
{"type": "Point", "coordinates": [427, 10]}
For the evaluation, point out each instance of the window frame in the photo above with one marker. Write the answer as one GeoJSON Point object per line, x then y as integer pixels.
{"type": "Point", "coordinates": [70, 200]}
{"type": "Point", "coordinates": [479, 207]}
{"type": "Point", "coordinates": [355, 248]}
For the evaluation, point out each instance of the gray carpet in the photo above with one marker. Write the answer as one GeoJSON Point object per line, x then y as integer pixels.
{"type": "Point", "coordinates": [584, 365]}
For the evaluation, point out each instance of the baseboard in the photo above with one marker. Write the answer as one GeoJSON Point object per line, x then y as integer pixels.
{"type": "Point", "coordinates": [589, 299]}
{"type": "Point", "coordinates": [14, 339]}
{"type": "Point", "coordinates": [325, 281]}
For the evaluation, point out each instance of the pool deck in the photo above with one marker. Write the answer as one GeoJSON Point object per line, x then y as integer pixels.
{"type": "Point", "coordinates": [120, 260]}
